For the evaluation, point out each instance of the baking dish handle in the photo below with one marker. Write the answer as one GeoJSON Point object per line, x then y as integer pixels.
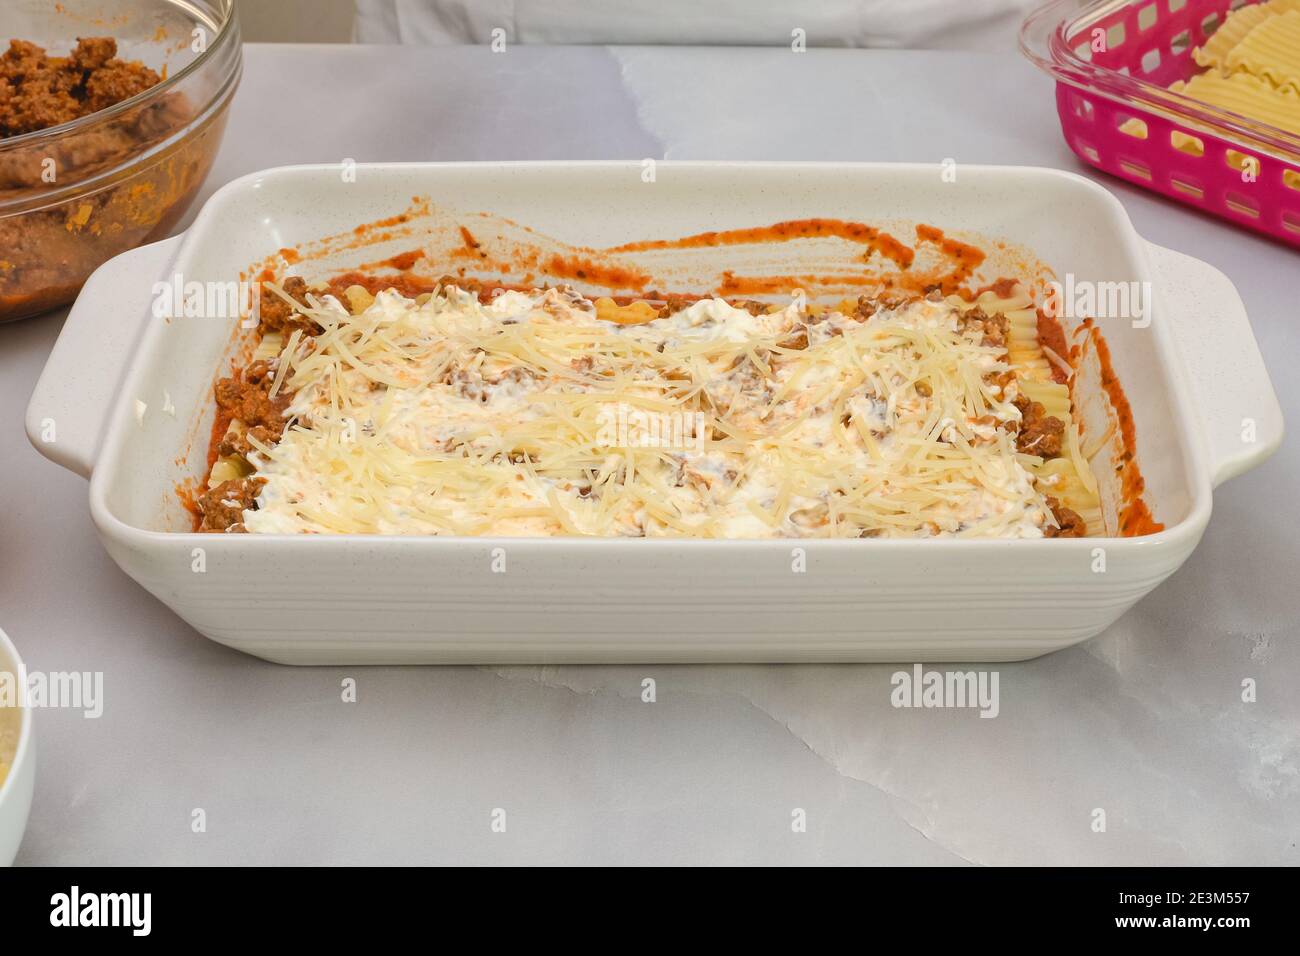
{"type": "Point", "coordinates": [1238, 410]}
{"type": "Point", "coordinates": [76, 390]}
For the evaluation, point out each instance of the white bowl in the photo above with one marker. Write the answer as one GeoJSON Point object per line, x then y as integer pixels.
{"type": "Point", "coordinates": [16, 791]}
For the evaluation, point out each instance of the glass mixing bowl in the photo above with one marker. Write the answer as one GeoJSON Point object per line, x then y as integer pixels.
{"type": "Point", "coordinates": [75, 195]}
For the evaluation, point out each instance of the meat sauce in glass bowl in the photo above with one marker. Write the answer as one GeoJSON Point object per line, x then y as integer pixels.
{"type": "Point", "coordinates": [107, 147]}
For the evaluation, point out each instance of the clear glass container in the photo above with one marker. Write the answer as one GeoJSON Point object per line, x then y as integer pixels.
{"type": "Point", "coordinates": [1113, 61]}
{"type": "Point", "coordinates": [73, 196]}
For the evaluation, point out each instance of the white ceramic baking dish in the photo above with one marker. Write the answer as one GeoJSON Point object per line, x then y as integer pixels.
{"type": "Point", "coordinates": [126, 400]}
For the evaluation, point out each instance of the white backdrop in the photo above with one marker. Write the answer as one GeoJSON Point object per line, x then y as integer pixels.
{"type": "Point", "coordinates": [989, 25]}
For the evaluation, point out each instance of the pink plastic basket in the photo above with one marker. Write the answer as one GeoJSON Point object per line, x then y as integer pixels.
{"type": "Point", "coordinates": [1112, 61]}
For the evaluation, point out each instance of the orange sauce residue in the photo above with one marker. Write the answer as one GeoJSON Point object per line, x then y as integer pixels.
{"type": "Point", "coordinates": [734, 285]}
{"type": "Point", "coordinates": [398, 220]}
{"type": "Point", "coordinates": [188, 492]}
{"type": "Point", "coordinates": [964, 257]}
{"type": "Point", "coordinates": [402, 262]}
{"type": "Point", "coordinates": [1052, 336]}
{"type": "Point", "coordinates": [471, 248]}
{"type": "Point", "coordinates": [406, 260]}
{"type": "Point", "coordinates": [874, 239]}
{"type": "Point", "coordinates": [1002, 288]}
{"type": "Point", "coordinates": [588, 270]}
{"type": "Point", "coordinates": [220, 423]}
{"type": "Point", "coordinates": [1135, 517]}
{"type": "Point", "coordinates": [408, 285]}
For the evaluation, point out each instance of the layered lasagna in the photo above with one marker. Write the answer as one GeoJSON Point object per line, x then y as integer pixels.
{"type": "Point", "coordinates": [469, 410]}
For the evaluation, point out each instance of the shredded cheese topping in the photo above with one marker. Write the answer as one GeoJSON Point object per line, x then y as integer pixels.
{"type": "Point", "coordinates": [531, 415]}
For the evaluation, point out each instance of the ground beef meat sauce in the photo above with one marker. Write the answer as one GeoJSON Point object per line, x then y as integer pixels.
{"type": "Point", "coordinates": [246, 397]}
{"type": "Point", "coordinates": [992, 328]}
{"type": "Point", "coordinates": [38, 91]}
{"type": "Point", "coordinates": [1040, 434]}
{"type": "Point", "coordinates": [223, 507]}
{"type": "Point", "coordinates": [276, 314]}
{"type": "Point", "coordinates": [1069, 523]}
{"type": "Point", "coordinates": [241, 445]}
{"type": "Point", "coordinates": [47, 251]}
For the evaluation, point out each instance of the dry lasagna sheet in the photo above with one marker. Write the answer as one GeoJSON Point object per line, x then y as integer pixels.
{"type": "Point", "coordinates": [1252, 65]}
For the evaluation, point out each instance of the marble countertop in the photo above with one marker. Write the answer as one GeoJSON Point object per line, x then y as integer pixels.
{"type": "Point", "coordinates": [1145, 722]}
